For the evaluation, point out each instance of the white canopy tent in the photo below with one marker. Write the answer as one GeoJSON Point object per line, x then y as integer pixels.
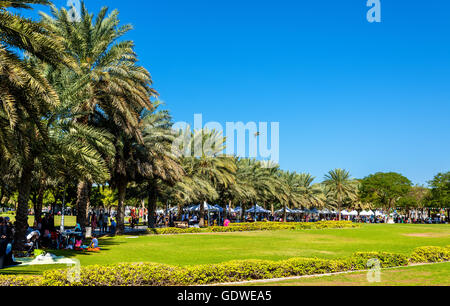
{"type": "Point", "coordinates": [367, 213]}
{"type": "Point", "coordinates": [379, 214]}
{"type": "Point", "coordinates": [206, 207]}
{"type": "Point", "coordinates": [288, 210]}
{"type": "Point", "coordinates": [345, 213]}
{"type": "Point", "coordinates": [353, 213]}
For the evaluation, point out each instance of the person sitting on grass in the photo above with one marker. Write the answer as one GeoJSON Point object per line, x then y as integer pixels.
{"type": "Point", "coordinates": [93, 247]}
{"type": "Point", "coordinates": [78, 244]}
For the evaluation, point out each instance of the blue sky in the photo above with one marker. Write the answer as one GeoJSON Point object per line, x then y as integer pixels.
{"type": "Point", "coordinates": [351, 94]}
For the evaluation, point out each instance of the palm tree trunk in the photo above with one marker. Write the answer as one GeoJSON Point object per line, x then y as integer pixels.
{"type": "Point", "coordinates": [39, 201]}
{"type": "Point", "coordinates": [151, 206]}
{"type": "Point", "coordinates": [83, 203]}
{"type": "Point", "coordinates": [339, 202]}
{"type": "Point", "coordinates": [22, 207]}
{"type": "Point", "coordinates": [2, 194]}
{"type": "Point", "coordinates": [202, 215]}
{"type": "Point", "coordinates": [285, 214]}
{"type": "Point", "coordinates": [122, 189]}
{"type": "Point", "coordinates": [339, 210]}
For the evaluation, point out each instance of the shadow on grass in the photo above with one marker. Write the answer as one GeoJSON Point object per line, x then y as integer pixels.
{"type": "Point", "coordinates": [105, 244]}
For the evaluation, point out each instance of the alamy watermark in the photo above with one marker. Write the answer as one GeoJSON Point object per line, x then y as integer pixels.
{"type": "Point", "coordinates": [374, 13]}
{"type": "Point", "coordinates": [374, 274]}
{"type": "Point", "coordinates": [74, 10]}
{"type": "Point", "coordinates": [74, 273]}
{"type": "Point", "coordinates": [251, 139]}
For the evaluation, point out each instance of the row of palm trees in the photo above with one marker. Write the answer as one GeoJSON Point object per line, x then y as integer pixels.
{"type": "Point", "coordinates": [76, 107]}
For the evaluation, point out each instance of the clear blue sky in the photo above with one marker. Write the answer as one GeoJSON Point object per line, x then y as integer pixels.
{"type": "Point", "coordinates": [347, 93]}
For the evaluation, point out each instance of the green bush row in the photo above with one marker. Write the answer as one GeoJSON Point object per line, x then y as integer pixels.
{"type": "Point", "coordinates": [430, 254]}
{"type": "Point", "coordinates": [164, 275]}
{"type": "Point", "coordinates": [257, 226]}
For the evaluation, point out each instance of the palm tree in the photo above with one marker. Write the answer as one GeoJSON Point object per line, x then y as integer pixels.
{"type": "Point", "coordinates": [160, 156]}
{"type": "Point", "coordinates": [205, 164]}
{"type": "Point", "coordinates": [340, 187]}
{"type": "Point", "coordinates": [25, 96]}
{"type": "Point", "coordinates": [312, 195]}
{"type": "Point", "coordinates": [290, 191]}
{"type": "Point", "coordinates": [148, 160]}
{"type": "Point", "coordinates": [110, 86]}
{"type": "Point", "coordinates": [242, 190]}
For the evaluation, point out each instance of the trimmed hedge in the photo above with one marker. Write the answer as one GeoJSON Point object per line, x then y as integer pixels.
{"type": "Point", "coordinates": [430, 254]}
{"type": "Point", "coordinates": [150, 274]}
{"type": "Point", "coordinates": [257, 226]}
{"type": "Point", "coordinates": [164, 275]}
{"type": "Point", "coordinates": [14, 280]}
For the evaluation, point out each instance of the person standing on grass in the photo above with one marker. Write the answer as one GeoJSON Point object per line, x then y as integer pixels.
{"type": "Point", "coordinates": [100, 223]}
{"type": "Point", "coordinates": [105, 223]}
{"type": "Point", "coordinates": [94, 222]}
{"type": "Point", "coordinates": [113, 226]}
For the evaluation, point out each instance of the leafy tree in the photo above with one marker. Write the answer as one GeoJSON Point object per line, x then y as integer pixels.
{"type": "Point", "coordinates": [440, 191]}
{"type": "Point", "coordinates": [384, 189]}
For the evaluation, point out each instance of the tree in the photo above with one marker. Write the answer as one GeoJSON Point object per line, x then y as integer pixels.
{"type": "Point", "coordinates": [290, 195]}
{"type": "Point", "coordinates": [26, 97]}
{"type": "Point", "coordinates": [340, 187]}
{"type": "Point", "coordinates": [206, 168]}
{"type": "Point", "coordinates": [439, 196]}
{"type": "Point", "coordinates": [109, 84]}
{"type": "Point", "coordinates": [384, 189]}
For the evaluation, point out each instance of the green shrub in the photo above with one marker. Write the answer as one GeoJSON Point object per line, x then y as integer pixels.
{"type": "Point", "coordinates": [387, 260]}
{"type": "Point", "coordinates": [164, 275]}
{"type": "Point", "coordinates": [257, 226]}
{"type": "Point", "coordinates": [430, 254]}
{"type": "Point", "coordinates": [150, 274]}
{"type": "Point", "coordinates": [14, 280]}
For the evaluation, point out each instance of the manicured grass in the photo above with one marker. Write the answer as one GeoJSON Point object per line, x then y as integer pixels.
{"type": "Point", "coordinates": [427, 275]}
{"type": "Point", "coordinates": [193, 249]}
{"type": "Point", "coordinates": [69, 221]}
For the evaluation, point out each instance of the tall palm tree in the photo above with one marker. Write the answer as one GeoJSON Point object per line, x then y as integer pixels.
{"type": "Point", "coordinates": [311, 193]}
{"type": "Point", "coordinates": [339, 187]}
{"type": "Point", "coordinates": [205, 163]}
{"type": "Point", "coordinates": [148, 160]}
{"type": "Point", "coordinates": [289, 191]}
{"type": "Point", "coordinates": [110, 85]}
{"type": "Point", "coordinates": [165, 168]}
{"type": "Point", "coordinates": [25, 95]}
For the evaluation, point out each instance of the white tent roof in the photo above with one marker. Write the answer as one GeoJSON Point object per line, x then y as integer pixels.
{"type": "Point", "coordinates": [288, 210]}
{"type": "Point", "coordinates": [367, 213]}
{"type": "Point", "coordinates": [353, 213]}
{"type": "Point", "coordinates": [206, 207]}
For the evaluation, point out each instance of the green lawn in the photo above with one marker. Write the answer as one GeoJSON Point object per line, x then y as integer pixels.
{"type": "Point", "coordinates": [274, 245]}
{"type": "Point", "coordinates": [427, 275]}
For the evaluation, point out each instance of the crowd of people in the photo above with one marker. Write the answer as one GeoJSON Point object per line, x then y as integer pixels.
{"type": "Point", "coordinates": [6, 241]}
{"type": "Point", "coordinates": [43, 235]}
{"type": "Point", "coordinates": [214, 219]}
